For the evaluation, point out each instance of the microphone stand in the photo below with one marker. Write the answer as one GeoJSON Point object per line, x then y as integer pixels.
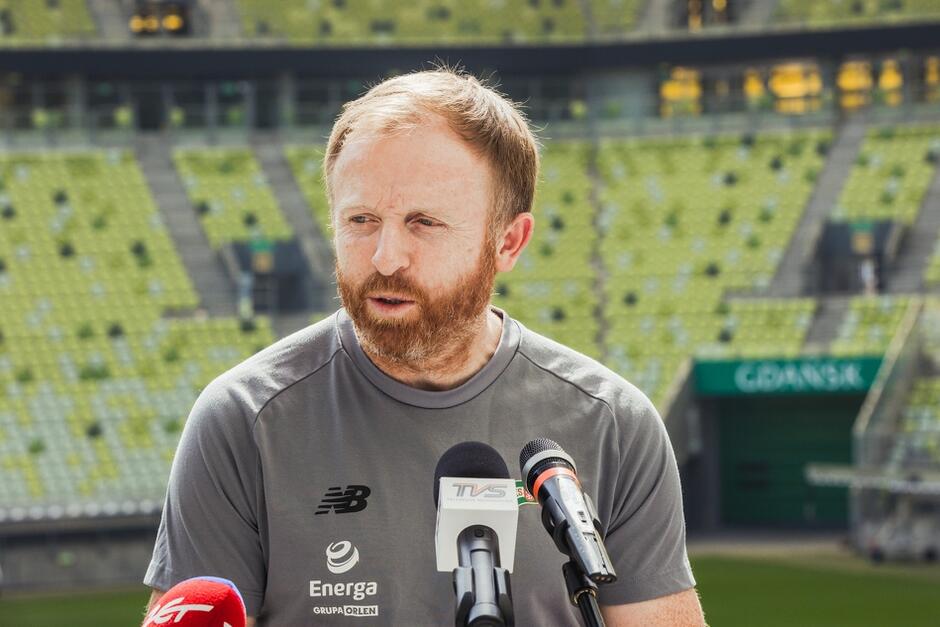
{"type": "Point", "coordinates": [484, 596]}
{"type": "Point", "coordinates": [583, 593]}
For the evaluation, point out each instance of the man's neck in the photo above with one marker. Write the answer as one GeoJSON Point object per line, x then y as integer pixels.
{"type": "Point", "coordinates": [455, 366]}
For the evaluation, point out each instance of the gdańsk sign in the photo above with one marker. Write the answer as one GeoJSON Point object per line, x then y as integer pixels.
{"type": "Point", "coordinates": [811, 375]}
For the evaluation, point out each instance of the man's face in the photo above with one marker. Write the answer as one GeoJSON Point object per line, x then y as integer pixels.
{"type": "Point", "coordinates": [414, 262]}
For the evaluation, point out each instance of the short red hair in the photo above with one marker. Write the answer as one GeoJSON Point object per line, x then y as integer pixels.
{"type": "Point", "coordinates": [490, 123]}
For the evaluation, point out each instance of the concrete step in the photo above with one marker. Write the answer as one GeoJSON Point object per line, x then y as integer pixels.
{"type": "Point", "coordinates": [653, 17]}
{"type": "Point", "coordinates": [907, 273]}
{"type": "Point", "coordinates": [758, 12]}
{"type": "Point", "coordinates": [790, 277]}
{"type": "Point", "coordinates": [216, 291]}
{"type": "Point", "coordinates": [111, 18]}
{"type": "Point", "coordinates": [314, 244]}
{"type": "Point", "coordinates": [825, 325]}
{"type": "Point", "coordinates": [223, 19]}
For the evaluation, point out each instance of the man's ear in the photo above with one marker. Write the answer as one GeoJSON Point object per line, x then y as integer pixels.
{"type": "Point", "coordinates": [512, 241]}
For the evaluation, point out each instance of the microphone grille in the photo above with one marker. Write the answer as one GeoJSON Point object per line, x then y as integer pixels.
{"type": "Point", "coordinates": [470, 459]}
{"type": "Point", "coordinates": [536, 446]}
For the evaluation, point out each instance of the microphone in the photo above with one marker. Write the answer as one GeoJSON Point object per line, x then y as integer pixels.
{"type": "Point", "coordinates": [475, 537]}
{"type": "Point", "coordinates": [568, 514]}
{"type": "Point", "coordinates": [199, 602]}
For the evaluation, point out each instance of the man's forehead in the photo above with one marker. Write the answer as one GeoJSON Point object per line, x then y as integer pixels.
{"type": "Point", "coordinates": [434, 144]}
{"type": "Point", "coordinates": [429, 167]}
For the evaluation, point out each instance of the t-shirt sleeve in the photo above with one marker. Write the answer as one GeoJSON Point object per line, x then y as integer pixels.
{"type": "Point", "coordinates": [646, 534]}
{"type": "Point", "coordinates": [210, 524]}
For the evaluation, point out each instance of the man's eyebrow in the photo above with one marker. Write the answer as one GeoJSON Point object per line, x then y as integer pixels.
{"type": "Point", "coordinates": [433, 211]}
{"type": "Point", "coordinates": [352, 208]}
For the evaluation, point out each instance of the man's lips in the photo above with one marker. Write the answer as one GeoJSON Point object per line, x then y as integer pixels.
{"type": "Point", "coordinates": [390, 304]}
{"type": "Point", "coordinates": [391, 299]}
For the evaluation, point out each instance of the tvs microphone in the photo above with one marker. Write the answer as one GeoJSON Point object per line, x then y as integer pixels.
{"type": "Point", "coordinates": [567, 512]}
{"type": "Point", "coordinates": [199, 602]}
{"type": "Point", "coordinates": [477, 514]}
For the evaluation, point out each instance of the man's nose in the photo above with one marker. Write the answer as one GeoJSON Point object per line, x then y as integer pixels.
{"type": "Point", "coordinates": [391, 251]}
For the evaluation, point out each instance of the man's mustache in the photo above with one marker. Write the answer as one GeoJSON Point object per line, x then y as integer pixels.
{"type": "Point", "coordinates": [394, 283]}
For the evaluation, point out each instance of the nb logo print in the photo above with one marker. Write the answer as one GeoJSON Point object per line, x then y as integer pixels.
{"type": "Point", "coordinates": [341, 557]}
{"type": "Point", "coordinates": [348, 501]}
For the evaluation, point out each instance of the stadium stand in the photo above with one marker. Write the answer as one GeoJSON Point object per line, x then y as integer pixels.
{"type": "Point", "coordinates": [641, 249]}
{"type": "Point", "coordinates": [684, 221]}
{"type": "Point", "coordinates": [869, 325]}
{"type": "Point", "coordinates": [231, 195]}
{"type": "Point", "coordinates": [611, 18]}
{"type": "Point", "coordinates": [373, 22]}
{"type": "Point", "coordinates": [94, 383]}
{"type": "Point", "coordinates": [551, 290]}
{"type": "Point", "coordinates": [43, 22]}
{"type": "Point", "coordinates": [892, 172]}
{"type": "Point", "coordinates": [845, 12]}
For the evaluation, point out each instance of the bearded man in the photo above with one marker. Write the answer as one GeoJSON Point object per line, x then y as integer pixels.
{"type": "Point", "coordinates": [326, 441]}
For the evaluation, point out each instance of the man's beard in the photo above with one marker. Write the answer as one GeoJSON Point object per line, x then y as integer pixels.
{"type": "Point", "coordinates": [440, 329]}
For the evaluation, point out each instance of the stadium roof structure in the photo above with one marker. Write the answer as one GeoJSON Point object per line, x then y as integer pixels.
{"type": "Point", "coordinates": [196, 58]}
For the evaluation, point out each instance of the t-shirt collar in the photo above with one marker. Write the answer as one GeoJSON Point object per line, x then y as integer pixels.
{"type": "Point", "coordinates": [508, 343]}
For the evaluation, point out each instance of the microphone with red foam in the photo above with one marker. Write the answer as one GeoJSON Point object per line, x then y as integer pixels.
{"type": "Point", "coordinates": [199, 602]}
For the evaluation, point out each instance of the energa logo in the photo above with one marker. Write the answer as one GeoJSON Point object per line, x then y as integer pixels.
{"type": "Point", "coordinates": [341, 557]}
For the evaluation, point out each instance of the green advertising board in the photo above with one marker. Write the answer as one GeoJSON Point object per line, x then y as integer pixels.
{"type": "Point", "coordinates": [810, 375]}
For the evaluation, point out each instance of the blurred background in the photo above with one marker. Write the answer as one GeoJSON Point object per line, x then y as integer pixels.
{"type": "Point", "coordinates": [739, 212]}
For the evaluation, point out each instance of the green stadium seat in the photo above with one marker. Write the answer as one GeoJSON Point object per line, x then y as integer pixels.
{"type": "Point", "coordinates": [891, 175]}
{"type": "Point", "coordinates": [40, 22]}
{"type": "Point", "coordinates": [94, 382]}
{"type": "Point", "coordinates": [869, 325]}
{"type": "Point", "coordinates": [683, 220]}
{"type": "Point", "coordinates": [422, 22]}
{"type": "Point", "coordinates": [231, 195]}
{"type": "Point", "coordinates": [849, 12]}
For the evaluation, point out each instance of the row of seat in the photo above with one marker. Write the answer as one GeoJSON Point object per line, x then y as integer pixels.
{"type": "Point", "coordinates": [231, 195]}
{"type": "Point", "coordinates": [631, 264]}
{"type": "Point", "coordinates": [892, 172]}
{"type": "Point", "coordinates": [374, 22]}
{"type": "Point", "coordinates": [847, 12]}
{"type": "Point", "coordinates": [869, 325]}
{"type": "Point", "coordinates": [95, 384]}
{"type": "Point", "coordinates": [44, 21]}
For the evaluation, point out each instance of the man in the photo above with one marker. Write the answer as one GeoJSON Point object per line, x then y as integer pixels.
{"type": "Point", "coordinates": [304, 473]}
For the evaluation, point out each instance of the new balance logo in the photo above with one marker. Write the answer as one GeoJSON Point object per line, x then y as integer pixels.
{"type": "Point", "coordinates": [348, 501]}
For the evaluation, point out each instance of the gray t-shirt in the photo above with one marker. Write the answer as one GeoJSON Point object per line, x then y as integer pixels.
{"type": "Point", "coordinates": [305, 475]}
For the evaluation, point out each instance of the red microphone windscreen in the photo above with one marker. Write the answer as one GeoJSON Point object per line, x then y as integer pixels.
{"type": "Point", "coordinates": [199, 602]}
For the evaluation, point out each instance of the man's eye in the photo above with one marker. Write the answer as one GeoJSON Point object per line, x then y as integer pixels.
{"type": "Point", "coordinates": [426, 222]}
{"type": "Point", "coordinates": [359, 219]}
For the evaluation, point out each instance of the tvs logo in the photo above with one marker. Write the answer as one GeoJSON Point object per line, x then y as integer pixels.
{"type": "Point", "coordinates": [348, 501]}
{"type": "Point", "coordinates": [486, 490]}
{"type": "Point", "coordinates": [341, 557]}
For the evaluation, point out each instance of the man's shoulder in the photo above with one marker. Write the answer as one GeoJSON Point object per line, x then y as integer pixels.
{"type": "Point", "coordinates": [258, 378]}
{"type": "Point", "coordinates": [586, 374]}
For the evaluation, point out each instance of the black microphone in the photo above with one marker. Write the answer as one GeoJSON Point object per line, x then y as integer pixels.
{"type": "Point", "coordinates": [482, 586]}
{"type": "Point", "coordinates": [568, 514]}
